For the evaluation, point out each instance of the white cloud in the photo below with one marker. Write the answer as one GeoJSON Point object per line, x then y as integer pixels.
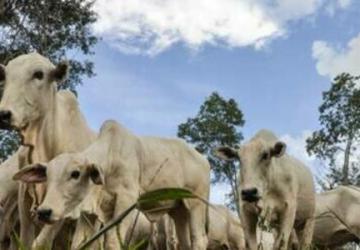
{"type": "Point", "coordinates": [218, 193]}
{"type": "Point", "coordinates": [152, 26]}
{"type": "Point", "coordinates": [286, 10]}
{"type": "Point", "coordinates": [344, 3]}
{"type": "Point", "coordinates": [334, 5]}
{"type": "Point", "coordinates": [296, 146]}
{"type": "Point", "coordinates": [331, 60]}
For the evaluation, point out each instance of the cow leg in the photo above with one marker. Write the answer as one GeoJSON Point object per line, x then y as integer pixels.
{"type": "Point", "coordinates": [305, 234]}
{"type": "Point", "coordinates": [293, 241]}
{"type": "Point", "coordinates": [86, 226]}
{"type": "Point", "coordinates": [286, 227]}
{"type": "Point", "coordinates": [8, 223]}
{"type": "Point", "coordinates": [249, 221]}
{"type": "Point", "coordinates": [171, 239]}
{"type": "Point", "coordinates": [111, 240]}
{"type": "Point", "coordinates": [153, 237]}
{"type": "Point", "coordinates": [180, 216]}
{"type": "Point", "coordinates": [198, 225]}
{"type": "Point", "coordinates": [27, 227]}
{"type": "Point", "coordinates": [47, 236]}
{"type": "Point", "coordinates": [124, 199]}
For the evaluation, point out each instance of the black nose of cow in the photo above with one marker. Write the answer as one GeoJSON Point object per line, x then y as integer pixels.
{"type": "Point", "coordinates": [250, 195]}
{"type": "Point", "coordinates": [44, 214]}
{"type": "Point", "coordinates": [5, 119]}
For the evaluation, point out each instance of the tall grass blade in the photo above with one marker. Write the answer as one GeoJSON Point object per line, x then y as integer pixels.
{"type": "Point", "coordinates": [151, 199]}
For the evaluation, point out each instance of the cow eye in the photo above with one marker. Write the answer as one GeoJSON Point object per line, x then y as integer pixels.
{"type": "Point", "coordinates": [75, 174]}
{"type": "Point", "coordinates": [265, 156]}
{"type": "Point", "coordinates": [38, 75]}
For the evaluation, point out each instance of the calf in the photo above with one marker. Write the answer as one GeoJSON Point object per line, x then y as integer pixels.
{"type": "Point", "coordinates": [275, 188]}
{"type": "Point", "coordinates": [127, 166]}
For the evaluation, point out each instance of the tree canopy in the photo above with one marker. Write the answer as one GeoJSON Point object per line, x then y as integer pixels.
{"type": "Point", "coordinates": [335, 141]}
{"type": "Point", "coordinates": [217, 123]}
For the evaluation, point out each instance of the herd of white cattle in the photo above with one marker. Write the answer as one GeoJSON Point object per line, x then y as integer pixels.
{"type": "Point", "coordinates": [66, 181]}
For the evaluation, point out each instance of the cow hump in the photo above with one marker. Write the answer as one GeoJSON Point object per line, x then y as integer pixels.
{"type": "Point", "coordinates": [266, 135]}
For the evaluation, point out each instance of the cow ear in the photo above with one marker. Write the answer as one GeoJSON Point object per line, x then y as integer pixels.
{"type": "Point", "coordinates": [226, 153]}
{"type": "Point", "coordinates": [278, 149]}
{"type": "Point", "coordinates": [35, 173]}
{"type": "Point", "coordinates": [95, 174]}
{"type": "Point", "coordinates": [2, 73]}
{"type": "Point", "coordinates": [60, 73]}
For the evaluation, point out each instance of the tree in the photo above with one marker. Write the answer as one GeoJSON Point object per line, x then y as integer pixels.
{"type": "Point", "coordinates": [53, 28]}
{"type": "Point", "coordinates": [217, 123]}
{"type": "Point", "coordinates": [337, 138]}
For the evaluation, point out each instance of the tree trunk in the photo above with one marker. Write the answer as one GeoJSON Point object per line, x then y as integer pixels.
{"type": "Point", "coordinates": [345, 170]}
{"type": "Point", "coordinates": [233, 181]}
{"type": "Point", "coordinates": [236, 195]}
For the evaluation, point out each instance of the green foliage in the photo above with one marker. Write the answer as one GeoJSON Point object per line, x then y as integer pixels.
{"type": "Point", "coordinates": [340, 129]}
{"type": "Point", "coordinates": [18, 243]}
{"type": "Point", "coordinates": [217, 123]}
{"type": "Point", "coordinates": [140, 245]}
{"type": "Point", "coordinates": [9, 142]}
{"type": "Point", "coordinates": [55, 29]}
{"type": "Point", "coordinates": [152, 199]}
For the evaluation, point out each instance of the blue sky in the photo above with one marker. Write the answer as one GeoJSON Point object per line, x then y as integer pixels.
{"type": "Point", "coordinates": [153, 75]}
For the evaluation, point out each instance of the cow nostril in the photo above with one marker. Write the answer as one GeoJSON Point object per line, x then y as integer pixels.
{"type": "Point", "coordinates": [250, 191]}
{"type": "Point", "coordinates": [250, 194]}
{"type": "Point", "coordinates": [44, 214]}
{"type": "Point", "coordinates": [5, 117]}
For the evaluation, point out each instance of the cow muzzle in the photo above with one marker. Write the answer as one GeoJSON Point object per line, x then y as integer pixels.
{"type": "Point", "coordinates": [250, 195]}
{"type": "Point", "coordinates": [5, 119]}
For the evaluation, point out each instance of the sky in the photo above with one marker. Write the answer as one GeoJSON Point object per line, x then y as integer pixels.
{"type": "Point", "coordinates": [158, 60]}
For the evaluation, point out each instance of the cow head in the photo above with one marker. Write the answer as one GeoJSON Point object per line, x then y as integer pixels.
{"type": "Point", "coordinates": [29, 88]}
{"type": "Point", "coordinates": [68, 178]}
{"type": "Point", "coordinates": [256, 161]}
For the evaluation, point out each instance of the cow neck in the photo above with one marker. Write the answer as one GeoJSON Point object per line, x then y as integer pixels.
{"type": "Point", "coordinates": [42, 134]}
{"type": "Point", "coordinates": [275, 174]}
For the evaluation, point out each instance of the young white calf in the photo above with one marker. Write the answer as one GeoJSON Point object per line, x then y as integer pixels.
{"type": "Point", "coordinates": [127, 166]}
{"type": "Point", "coordinates": [225, 230]}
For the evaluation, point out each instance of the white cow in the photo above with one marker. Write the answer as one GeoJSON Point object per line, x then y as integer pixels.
{"type": "Point", "coordinates": [128, 165]}
{"type": "Point", "coordinates": [337, 217]}
{"type": "Point", "coordinates": [225, 230]}
{"type": "Point", "coordinates": [275, 188]}
{"type": "Point", "coordinates": [48, 120]}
